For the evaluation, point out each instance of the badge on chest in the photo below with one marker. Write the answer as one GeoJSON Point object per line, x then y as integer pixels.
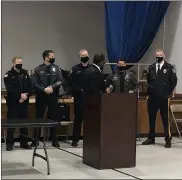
{"type": "Point", "coordinates": [164, 71]}
{"type": "Point", "coordinates": [54, 69]}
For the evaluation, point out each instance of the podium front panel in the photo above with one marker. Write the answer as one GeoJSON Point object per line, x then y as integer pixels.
{"type": "Point", "coordinates": [110, 131]}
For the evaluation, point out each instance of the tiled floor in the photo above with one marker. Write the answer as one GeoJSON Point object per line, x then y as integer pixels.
{"type": "Point", "coordinates": [153, 162]}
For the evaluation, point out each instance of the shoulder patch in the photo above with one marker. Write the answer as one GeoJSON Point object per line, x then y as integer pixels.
{"type": "Point", "coordinates": [6, 75]}
{"type": "Point", "coordinates": [173, 70]}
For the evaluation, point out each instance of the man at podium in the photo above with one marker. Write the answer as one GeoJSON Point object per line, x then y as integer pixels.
{"type": "Point", "coordinates": [94, 81]}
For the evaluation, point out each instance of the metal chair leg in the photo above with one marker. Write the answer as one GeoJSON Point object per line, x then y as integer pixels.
{"type": "Point", "coordinates": [178, 129]}
{"type": "Point", "coordinates": [4, 134]}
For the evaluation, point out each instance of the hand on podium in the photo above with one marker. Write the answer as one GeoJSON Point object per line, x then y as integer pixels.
{"type": "Point", "coordinates": [108, 90]}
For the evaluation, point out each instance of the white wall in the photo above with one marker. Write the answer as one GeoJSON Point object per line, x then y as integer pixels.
{"type": "Point", "coordinates": [29, 28]}
{"type": "Point", "coordinates": [173, 39]}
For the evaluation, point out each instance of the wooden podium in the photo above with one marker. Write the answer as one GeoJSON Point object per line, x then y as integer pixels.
{"type": "Point", "coordinates": [110, 131]}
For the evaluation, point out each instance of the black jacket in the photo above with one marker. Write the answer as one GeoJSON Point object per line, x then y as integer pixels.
{"type": "Point", "coordinates": [17, 83]}
{"type": "Point", "coordinates": [161, 85]}
{"type": "Point", "coordinates": [130, 82]}
{"type": "Point", "coordinates": [76, 78]}
{"type": "Point", "coordinates": [45, 76]}
{"type": "Point", "coordinates": [94, 81]}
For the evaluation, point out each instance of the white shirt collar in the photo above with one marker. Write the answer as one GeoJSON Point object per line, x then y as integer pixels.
{"type": "Point", "coordinates": [97, 67]}
{"type": "Point", "coordinates": [160, 64]}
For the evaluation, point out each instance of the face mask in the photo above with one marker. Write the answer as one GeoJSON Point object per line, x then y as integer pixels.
{"type": "Point", "coordinates": [159, 59]}
{"type": "Point", "coordinates": [84, 59]}
{"type": "Point", "coordinates": [18, 66]}
{"type": "Point", "coordinates": [121, 68]}
{"type": "Point", "coordinates": [52, 60]}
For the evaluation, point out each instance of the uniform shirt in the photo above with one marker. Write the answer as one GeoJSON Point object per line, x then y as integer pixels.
{"type": "Point", "coordinates": [129, 83]}
{"type": "Point", "coordinates": [76, 78]}
{"type": "Point", "coordinates": [162, 84]}
{"type": "Point", "coordinates": [17, 83]}
{"type": "Point", "coordinates": [47, 75]}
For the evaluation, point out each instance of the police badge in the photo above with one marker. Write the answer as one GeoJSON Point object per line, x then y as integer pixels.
{"type": "Point", "coordinates": [165, 70]}
{"type": "Point", "coordinates": [54, 69]}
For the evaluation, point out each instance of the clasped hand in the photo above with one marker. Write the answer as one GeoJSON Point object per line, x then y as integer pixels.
{"type": "Point", "coordinates": [48, 90]}
{"type": "Point", "coordinates": [23, 97]}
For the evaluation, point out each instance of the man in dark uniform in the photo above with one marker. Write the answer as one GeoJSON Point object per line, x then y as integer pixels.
{"type": "Point", "coordinates": [162, 80]}
{"type": "Point", "coordinates": [76, 76]}
{"type": "Point", "coordinates": [130, 81]}
{"type": "Point", "coordinates": [47, 80]}
{"type": "Point", "coordinates": [19, 89]}
{"type": "Point", "coordinates": [94, 81]}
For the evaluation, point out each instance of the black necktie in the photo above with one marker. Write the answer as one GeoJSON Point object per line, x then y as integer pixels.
{"type": "Point", "coordinates": [158, 69]}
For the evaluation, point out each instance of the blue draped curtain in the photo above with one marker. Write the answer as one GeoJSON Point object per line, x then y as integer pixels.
{"type": "Point", "coordinates": [130, 28]}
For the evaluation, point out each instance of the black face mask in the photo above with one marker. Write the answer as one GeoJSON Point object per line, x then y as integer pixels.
{"type": "Point", "coordinates": [52, 60]}
{"type": "Point", "coordinates": [121, 68]}
{"type": "Point", "coordinates": [18, 66]}
{"type": "Point", "coordinates": [84, 59]}
{"type": "Point", "coordinates": [159, 59]}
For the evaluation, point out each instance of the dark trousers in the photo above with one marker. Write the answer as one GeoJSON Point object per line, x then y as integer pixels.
{"type": "Point", "coordinates": [19, 111]}
{"type": "Point", "coordinates": [50, 102]}
{"type": "Point", "coordinates": [78, 111]}
{"type": "Point", "coordinates": [155, 104]}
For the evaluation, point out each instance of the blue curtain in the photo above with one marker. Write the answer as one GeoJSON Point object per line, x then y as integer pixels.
{"type": "Point", "coordinates": [130, 28]}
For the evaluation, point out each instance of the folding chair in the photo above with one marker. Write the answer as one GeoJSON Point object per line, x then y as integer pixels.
{"type": "Point", "coordinates": [176, 108]}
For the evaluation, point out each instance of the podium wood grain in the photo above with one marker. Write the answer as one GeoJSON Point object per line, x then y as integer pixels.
{"type": "Point", "coordinates": [110, 131]}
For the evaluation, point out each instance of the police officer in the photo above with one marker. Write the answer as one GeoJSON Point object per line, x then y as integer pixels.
{"type": "Point", "coordinates": [46, 80]}
{"type": "Point", "coordinates": [130, 81]}
{"type": "Point", "coordinates": [162, 80]}
{"type": "Point", "coordinates": [19, 89]}
{"type": "Point", "coordinates": [76, 77]}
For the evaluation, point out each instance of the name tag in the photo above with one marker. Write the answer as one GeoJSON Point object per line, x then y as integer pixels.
{"type": "Point", "coordinates": [41, 72]}
{"type": "Point", "coordinates": [78, 72]}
